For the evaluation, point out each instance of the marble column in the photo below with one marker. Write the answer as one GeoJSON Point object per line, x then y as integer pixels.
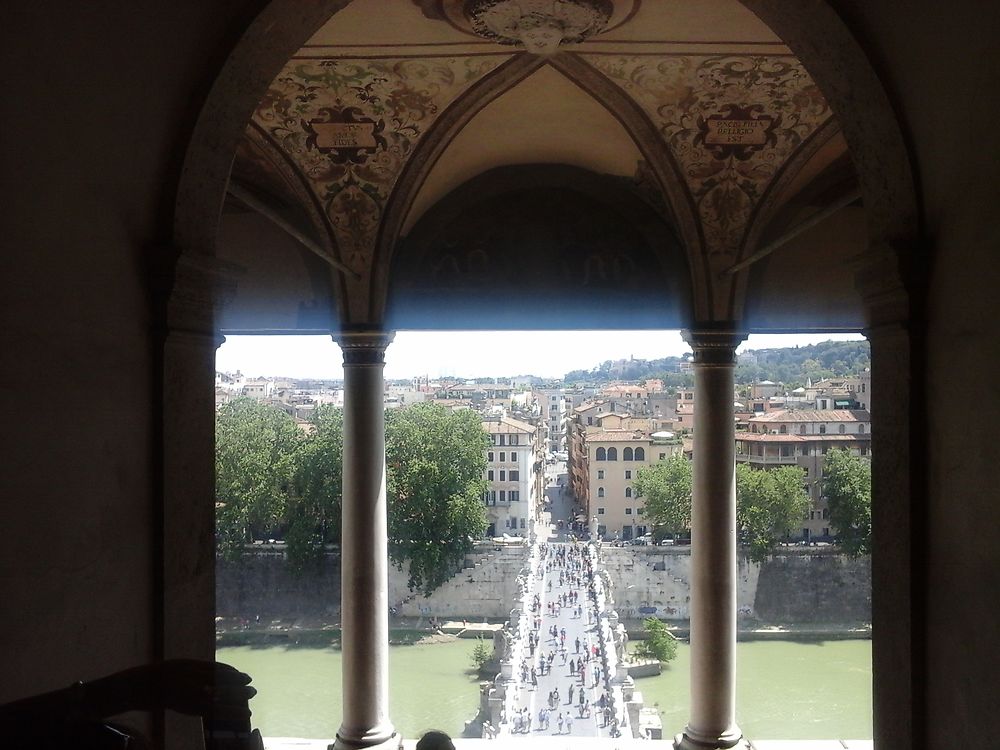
{"type": "Point", "coordinates": [712, 722]}
{"type": "Point", "coordinates": [364, 548]}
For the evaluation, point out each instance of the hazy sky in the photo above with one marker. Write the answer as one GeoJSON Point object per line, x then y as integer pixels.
{"type": "Point", "coordinates": [473, 354]}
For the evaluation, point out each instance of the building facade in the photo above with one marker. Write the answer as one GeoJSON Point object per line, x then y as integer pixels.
{"type": "Point", "coordinates": [803, 438]}
{"type": "Point", "coordinates": [513, 476]}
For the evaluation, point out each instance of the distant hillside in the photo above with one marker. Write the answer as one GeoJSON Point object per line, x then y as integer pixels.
{"type": "Point", "coordinates": [792, 366]}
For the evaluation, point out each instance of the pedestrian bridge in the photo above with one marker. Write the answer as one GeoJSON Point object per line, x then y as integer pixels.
{"type": "Point", "coordinates": [562, 670]}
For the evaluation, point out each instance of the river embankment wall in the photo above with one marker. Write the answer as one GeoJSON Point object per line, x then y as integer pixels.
{"type": "Point", "coordinates": [262, 584]}
{"type": "Point", "coordinates": [796, 586]}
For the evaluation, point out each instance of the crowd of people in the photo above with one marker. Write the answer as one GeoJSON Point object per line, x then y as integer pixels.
{"type": "Point", "coordinates": [569, 569]}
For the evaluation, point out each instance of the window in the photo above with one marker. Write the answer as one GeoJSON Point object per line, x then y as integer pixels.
{"type": "Point", "coordinates": [825, 449]}
{"type": "Point", "coordinates": [783, 429]}
{"type": "Point", "coordinates": [503, 456]}
{"type": "Point", "coordinates": [802, 429]}
{"type": "Point", "coordinates": [640, 454]}
{"type": "Point", "coordinates": [503, 475]}
{"type": "Point", "coordinates": [600, 492]}
{"type": "Point", "coordinates": [503, 496]}
{"type": "Point", "coordinates": [493, 496]}
{"type": "Point", "coordinates": [826, 514]}
{"type": "Point", "coordinates": [503, 439]}
{"type": "Point", "coordinates": [522, 523]}
{"type": "Point", "coordinates": [515, 496]}
{"type": "Point", "coordinates": [822, 429]}
{"type": "Point", "coordinates": [843, 429]}
{"type": "Point", "coordinates": [805, 470]}
{"type": "Point", "coordinates": [514, 441]}
{"type": "Point", "coordinates": [612, 454]}
{"type": "Point", "coordinates": [628, 511]}
{"type": "Point", "coordinates": [513, 456]}
{"type": "Point", "coordinates": [628, 473]}
{"type": "Point", "coordinates": [515, 475]}
{"type": "Point", "coordinates": [489, 456]}
{"type": "Point", "coordinates": [861, 429]}
{"type": "Point", "coordinates": [663, 456]}
{"type": "Point", "coordinates": [600, 511]}
{"type": "Point", "coordinates": [489, 475]}
{"type": "Point", "coordinates": [600, 473]}
{"type": "Point", "coordinates": [627, 454]}
{"type": "Point", "coordinates": [602, 455]}
{"type": "Point", "coordinates": [590, 420]}
{"type": "Point", "coordinates": [628, 492]}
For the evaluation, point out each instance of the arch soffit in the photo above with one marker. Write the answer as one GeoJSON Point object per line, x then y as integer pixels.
{"type": "Point", "coordinates": [633, 119]}
{"type": "Point", "coordinates": [813, 31]}
{"type": "Point", "coordinates": [838, 64]}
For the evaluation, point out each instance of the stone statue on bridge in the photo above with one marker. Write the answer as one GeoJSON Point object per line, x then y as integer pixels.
{"type": "Point", "coordinates": [502, 644]}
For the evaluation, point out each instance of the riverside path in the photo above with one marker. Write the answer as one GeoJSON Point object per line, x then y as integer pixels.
{"type": "Point", "coordinates": [562, 675]}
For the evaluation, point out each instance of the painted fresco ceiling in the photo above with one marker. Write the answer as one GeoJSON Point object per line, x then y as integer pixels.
{"type": "Point", "coordinates": [369, 125]}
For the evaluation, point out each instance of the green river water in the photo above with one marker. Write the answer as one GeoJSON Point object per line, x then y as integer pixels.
{"type": "Point", "coordinates": [785, 689]}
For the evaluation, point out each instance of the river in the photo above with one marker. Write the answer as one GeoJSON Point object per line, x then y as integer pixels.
{"type": "Point", "coordinates": [785, 689]}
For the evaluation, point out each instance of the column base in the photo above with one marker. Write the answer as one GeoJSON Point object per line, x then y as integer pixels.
{"type": "Point", "coordinates": [373, 741]}
{"type": "Point", "coordinates": [732, 738]}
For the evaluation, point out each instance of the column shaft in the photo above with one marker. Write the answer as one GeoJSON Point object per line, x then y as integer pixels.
{"type": "Point", "coordinates": [364, 548]}
{"type": "Point", "coordinates": [712, 721]}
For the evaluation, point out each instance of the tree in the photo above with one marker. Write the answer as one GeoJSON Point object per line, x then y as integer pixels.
{"type": "Point", "coordinates": [768, 504]}
{"type": "Point", "coordinates": [659, 644]}
{"type": "Point", "coordinates": [666, 491]}
{"type": "Point", "coordinates": [313, 512]}
{"type": "Point", "coordinates": [847, 485]}
{"type": "Point", "coordinates": [436, 458]}
{"type": "Point", "coordinates": [255, 446]}
{"type": "Point", "coordinates": [482, 653]}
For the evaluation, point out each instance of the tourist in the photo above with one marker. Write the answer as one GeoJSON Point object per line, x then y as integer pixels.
{"type": "Point", "coordinates": [559, 722]}
{"type": "Point", "coordinates": [577, 644]}
{"type": "Point", "coordinates": [435, 740]}
{"type": "Point", "coordinates": [570, 701]}
{"type": "Point", "coordinates": [569, 723]}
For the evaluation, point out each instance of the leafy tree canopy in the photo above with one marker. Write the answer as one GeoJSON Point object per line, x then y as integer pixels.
{"type": "Point", "coordinates": [666, 491]}
{"type": "Point", "coordinates": [436, 458]}
{"type": "Point", "coordinates": [255, 448]}
{"type": "Point", "coordinates": [847, 484]}
{"type": "Point", "coordinates": [313, 513]}
{"type": "Point", "coordinates": [660, 644]}
{"type": "Point", "coordinates": [768, 504]}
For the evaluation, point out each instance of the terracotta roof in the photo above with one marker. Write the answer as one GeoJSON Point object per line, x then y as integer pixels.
{"type": "Point", "coordinates": [506, 425]}
{"type": "Point", "coordinates": [754, 437]}
{"type": "Point", "coordinates": [815, 415]}
{"type": "Point", "coordinates": [599, 435]}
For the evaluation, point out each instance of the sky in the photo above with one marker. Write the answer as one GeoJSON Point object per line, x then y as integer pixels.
{"type": "Point", "coordinates": [474, 354]}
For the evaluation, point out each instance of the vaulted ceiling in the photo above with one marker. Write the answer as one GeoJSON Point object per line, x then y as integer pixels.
{"type": "Point", "coordinates": [696, 110]}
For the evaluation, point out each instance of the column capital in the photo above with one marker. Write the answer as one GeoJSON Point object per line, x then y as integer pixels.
{"type": "Point", "coordinates": [714, 343]}
{"type": "Point", "coordinates": [364, 346]}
